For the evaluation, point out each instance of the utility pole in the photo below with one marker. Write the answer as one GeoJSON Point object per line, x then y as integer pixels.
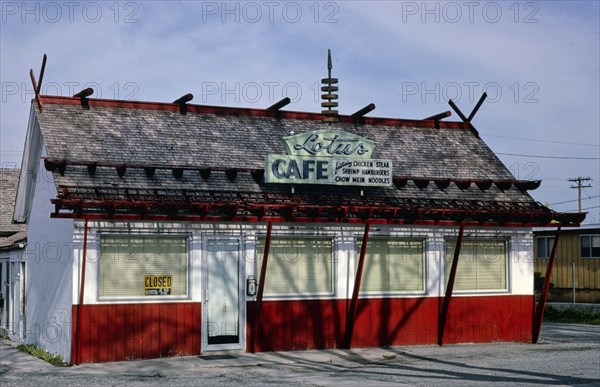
{"type": "Point", "coordinates": [579, 187]}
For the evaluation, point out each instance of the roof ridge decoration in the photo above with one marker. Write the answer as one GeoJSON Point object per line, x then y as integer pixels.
{"type": "Point", "coordinates": [37, 86]}
{"type": "Point", "coordinates": [329, 115]}
{"type": "Point", "coordinates": [256, 112]}
{"type": "Point", "coordinates": [329, 88]}
{"type": "Point", "coordinates": [330, 94]}
{"type": "Point", "coordinates": [471, 116]}
{"type": "Point", "coordinates": [182, 102]}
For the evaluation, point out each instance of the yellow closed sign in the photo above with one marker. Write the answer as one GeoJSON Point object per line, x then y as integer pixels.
{"type": "Point", "coordinates": [158, 285]}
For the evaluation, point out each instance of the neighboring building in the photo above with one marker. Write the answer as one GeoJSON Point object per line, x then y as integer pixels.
{"type": "Point", "coordinates": [576, 273]}
{"type": "Point", "coordinates": [13, 240]}
{"type": "Point", "coordinates": [155, 218]}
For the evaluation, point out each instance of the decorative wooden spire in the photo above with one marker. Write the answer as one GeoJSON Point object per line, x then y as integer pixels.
{"type": "Point", "coordinates": [330, 95]}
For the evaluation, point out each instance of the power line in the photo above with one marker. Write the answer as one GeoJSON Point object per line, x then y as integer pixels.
{"type": "Point", "coordinates": [586, 192]}
{"type": "Point", "coordinates": [583, 209]}
{"type": "Point", "coordinates": [589, 208]}
{"type": "Point", "coordinates": [558, 178]}
{"type": "Point", "coordinates": [549, 157]}
{"type": "Point", "coordinates": [574, 200]}
{"type": "Point", "coordinates": [539, 140]}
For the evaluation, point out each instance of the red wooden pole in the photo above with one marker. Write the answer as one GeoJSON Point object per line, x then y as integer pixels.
{"type": "Point", "coordinates": [450, 286]}
{"type": "Point", "coordinates": [351, 313]}
{"type": "Point", "coordinates": [261, 288]}
{"type": "Point", "coordinates": [539, 314]}
{"type": "Point", "coordinates": [81, 293]}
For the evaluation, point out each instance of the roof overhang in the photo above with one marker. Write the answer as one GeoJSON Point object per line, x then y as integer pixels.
{"type": "Point", "coordinates": [232, 206]}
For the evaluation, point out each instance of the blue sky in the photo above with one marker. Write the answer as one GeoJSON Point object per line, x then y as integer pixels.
{"type": "Point", "coordinates": [539, 62]}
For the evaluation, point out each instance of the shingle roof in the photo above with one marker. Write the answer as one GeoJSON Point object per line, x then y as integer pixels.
{"type": "Point", "coordinates": [10, 233]}
{"type": "Point", "coordinates": [168, 138]}
{"type": "Point", "coordinates": [136, 135]}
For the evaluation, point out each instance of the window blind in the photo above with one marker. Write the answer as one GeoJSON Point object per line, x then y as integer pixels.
{"type": "Point", "coordinates": [297, 266]}
{"type": "Point", "coordinates": [125, 260]}
{"type": "Point", "coordinates": [481, 265]}
{"type": "Point", "coordinates": [392, 265]}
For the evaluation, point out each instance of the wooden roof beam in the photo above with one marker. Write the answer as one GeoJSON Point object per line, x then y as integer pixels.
{"type": "Point", "coordinates": [83, 96]}
{"type": "Point", "coordinates": [182, 102]}
{"type": "Point", "coordinates": [369, 108]}
{"type": "Point", "coordinates": [279, 104]}
{"type": "Point", "coordinates": [439, 116]}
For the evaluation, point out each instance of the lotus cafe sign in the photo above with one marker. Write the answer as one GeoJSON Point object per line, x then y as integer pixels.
{"type": "Point", "coordinates": [328, 157]}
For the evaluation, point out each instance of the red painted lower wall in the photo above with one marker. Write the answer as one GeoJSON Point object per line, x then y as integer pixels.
{"type": "Point", "coordinates": [136, 331]}
{"type": "Point", "coordinates": [319, 324]}
{"type": "Point", "coordinates": [142, 331]}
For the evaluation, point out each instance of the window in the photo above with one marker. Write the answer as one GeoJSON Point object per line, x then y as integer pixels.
{"type": "Point", "coordinates": [544, 246]}
{"type": "Point", "coordinates": [481, 265]}
{"type": "Point", "coordinates": [590, 246]}
{"type": "Point", "coordinates": [392, 265]}
{"type": "Point", "coordinates": [127, 262]}
{"type": "Point", "coordinates": [297, 266]}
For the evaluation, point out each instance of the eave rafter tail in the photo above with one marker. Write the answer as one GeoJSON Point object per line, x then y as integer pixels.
{"type": "Point", "coordinates": [62, 166]}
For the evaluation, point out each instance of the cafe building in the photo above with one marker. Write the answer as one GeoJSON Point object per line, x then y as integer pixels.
{"type": "Point", "coordinates": [169, 229]}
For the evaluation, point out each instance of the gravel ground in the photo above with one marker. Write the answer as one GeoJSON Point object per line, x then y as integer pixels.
{"type": "Point", "coordinates": [566, 355]}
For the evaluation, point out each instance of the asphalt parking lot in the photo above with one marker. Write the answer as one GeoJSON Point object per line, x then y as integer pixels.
{"type": "Point", "coordinates": [566, 355]}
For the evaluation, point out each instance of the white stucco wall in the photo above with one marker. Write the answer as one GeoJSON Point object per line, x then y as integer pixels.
{"type": "Point", "coordinates": [522, 262]}
{"type": "Point", "coordinates": [49, 271]}
{"type": "Point", "coordinates": [519, 253]}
